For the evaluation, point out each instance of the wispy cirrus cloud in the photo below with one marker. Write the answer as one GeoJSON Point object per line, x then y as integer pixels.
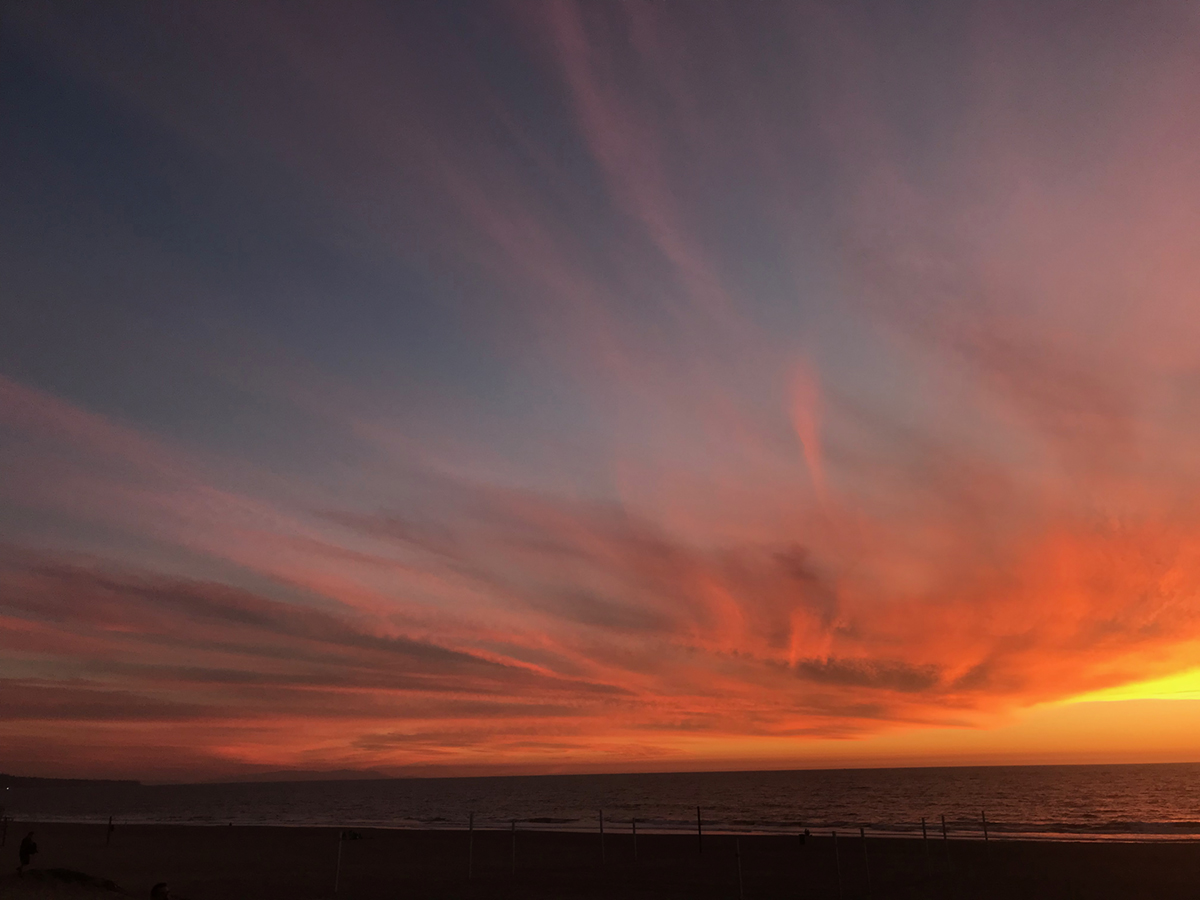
{"type": "Point", "coordinates": [588, 386]}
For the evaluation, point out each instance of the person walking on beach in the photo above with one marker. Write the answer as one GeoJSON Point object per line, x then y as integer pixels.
{"type": "Point", "coordinates": [28, 848]}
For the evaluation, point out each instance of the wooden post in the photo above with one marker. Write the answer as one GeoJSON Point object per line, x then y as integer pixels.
{"type": "Point", "coordinates": [925, 844]}
{"type": "Point", "coordinates": [603, 858]}
{"type": "Point", "coordinates": [514, 846]}
{"type": "Point", "coordinates": [837, 859]}
{"type": "Point", "coordinates": [800, 865]}
{"type": "Point", "coordinates": [699, 833]}
{"type": "Point", "coordinates": [108, 834]}
{"type": "Point", "coordinates": [862, 833]}
{"type": "Point", "coordinates": [337, 875]}
{"type": "Point", "coordinates": [634, 823]}
{"type": "Point", "coordinates": [4, 835]}
{"type": "Point", "coordinates": [945, 839]}
{"type": "Point", "coordinates": [470, 844]}
{"type": "Point", "coordinates": [737, 848]}
{"type": "Point", "coordinates": [987, 846]}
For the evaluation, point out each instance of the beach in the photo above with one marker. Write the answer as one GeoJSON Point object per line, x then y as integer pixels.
{"type": "Point", "coordinates": [273, 863]}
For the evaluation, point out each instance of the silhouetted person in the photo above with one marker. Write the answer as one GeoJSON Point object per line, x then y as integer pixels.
{"type": "Point", "coordinates": [160, 892]}
{"type": "Point", "coordinates": [28, 848]}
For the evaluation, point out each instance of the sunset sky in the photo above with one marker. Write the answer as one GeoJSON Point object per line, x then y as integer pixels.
{"type": "Point", "coordinates": [647, 385]}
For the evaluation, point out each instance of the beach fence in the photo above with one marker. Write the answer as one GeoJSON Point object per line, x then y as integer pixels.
{"type": "Point", "coordinates": [874, 866]}
{"type": "Point", "coordinates": [882, 864]}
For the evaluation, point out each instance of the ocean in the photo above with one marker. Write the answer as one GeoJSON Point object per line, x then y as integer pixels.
{"type": "Point", "coordinates": [1103, 802]}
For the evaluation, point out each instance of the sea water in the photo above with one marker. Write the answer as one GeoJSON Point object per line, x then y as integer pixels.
{"type": "Point", "coordinates": [1113, 802]}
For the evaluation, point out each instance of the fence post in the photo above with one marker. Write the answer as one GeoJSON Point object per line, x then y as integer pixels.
{"type": "Point", "coordinates": [925, 842]}
{"type": "Point", "coordinates": [635, 840]}
{"type": "Point", "coordinates": [470, 844]}
{"type": "Point", "coordinates": [800, 862]}
{"type": "Point", "coordinates": [108, 834]}
{"type": "Point", "coordinates": [603, 857]}
{"type": "Point", "coordinates": [699, 833]}
{"type": "Point", "coordinates": [337, 874]}
{"type": "Point", "coordinates": [737, 848]}
{"type": "Point", "coordinates": [837, 860]}
{"type": "Point", "coordinates": [862, 833]}
{"type": "Point", "coordinates": [514, 846]}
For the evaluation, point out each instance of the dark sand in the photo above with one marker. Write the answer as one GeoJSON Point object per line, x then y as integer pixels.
{"type": "Point", "coordinates": [231, 863]}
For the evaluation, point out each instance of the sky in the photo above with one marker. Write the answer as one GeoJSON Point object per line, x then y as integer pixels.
{"type": "Point", "coordinates": [651, 385]}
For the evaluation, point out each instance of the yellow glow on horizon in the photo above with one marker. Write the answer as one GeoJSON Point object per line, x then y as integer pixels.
{"type": "Point", "coordinates": [1181, 686]}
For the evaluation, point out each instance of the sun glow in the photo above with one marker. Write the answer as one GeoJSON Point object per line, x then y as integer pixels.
{"type": "Point", "coordinates": [1181, 686]}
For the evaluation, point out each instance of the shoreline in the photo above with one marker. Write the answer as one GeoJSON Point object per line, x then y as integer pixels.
{"type": "Point", "coordinates": [273, 862]}
{"type": "Point", "coordinates": [616, 828]}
